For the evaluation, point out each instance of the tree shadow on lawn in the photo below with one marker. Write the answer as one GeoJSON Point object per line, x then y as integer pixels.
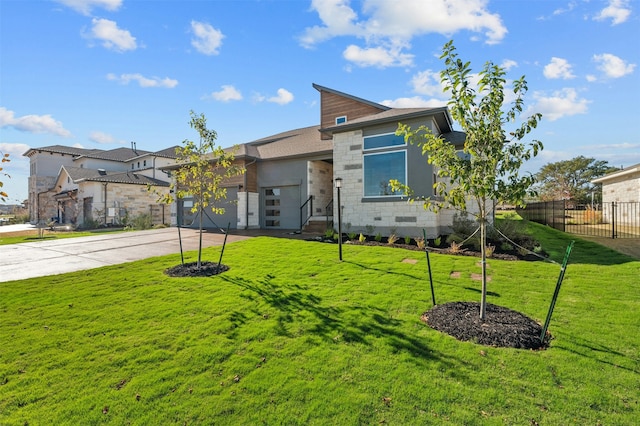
{"type": "Point", "coordinates": [353, 324]}
{"type": "Point", "coordinates": [590, 350]}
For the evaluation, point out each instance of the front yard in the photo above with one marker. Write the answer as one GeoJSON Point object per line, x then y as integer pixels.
{"type": "Point", "coordinates": [289, 335]}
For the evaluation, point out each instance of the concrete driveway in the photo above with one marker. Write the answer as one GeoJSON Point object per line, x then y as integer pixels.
{"type": "Point", "coordinates": [51, 257]}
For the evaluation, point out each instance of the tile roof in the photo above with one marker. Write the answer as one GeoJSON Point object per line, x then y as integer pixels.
{"type": "Point", "coordinates": [61, 149]}
{"type": "Point", "coordinates": [118, 154]}
{"type": "Point", "coordinates": [81, 174]}
{"type": "Point", "coordinates": [129, 178]}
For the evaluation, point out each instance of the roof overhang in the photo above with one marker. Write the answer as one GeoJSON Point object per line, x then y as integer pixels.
{"type": "Point", "coordinates": [621, 173]}
{"type": "Point", "coordinates": [440, 114]}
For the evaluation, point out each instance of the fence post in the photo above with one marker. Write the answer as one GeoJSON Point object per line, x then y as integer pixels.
{"type": "Point", "coordinates": [613, 220]}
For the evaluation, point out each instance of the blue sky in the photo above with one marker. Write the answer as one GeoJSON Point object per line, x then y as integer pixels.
{"type": "Point", "coordinates": [103, 73]}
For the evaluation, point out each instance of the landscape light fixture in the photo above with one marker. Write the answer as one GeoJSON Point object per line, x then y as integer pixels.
{"type": "Point", "coordinates": [338, 183]}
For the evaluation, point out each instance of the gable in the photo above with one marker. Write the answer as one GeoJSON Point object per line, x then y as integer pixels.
{"type": "Point", "coordinates": [334, 104]}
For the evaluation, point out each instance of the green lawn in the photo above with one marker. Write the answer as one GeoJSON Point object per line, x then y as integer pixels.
{"type": "Point", "coordinates": [289, 335]}
{"type": "Point", "coordinates": [52, 235]}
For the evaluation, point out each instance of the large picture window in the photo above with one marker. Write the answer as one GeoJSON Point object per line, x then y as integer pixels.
{"type": "Point", "coordinates": [382, 167]}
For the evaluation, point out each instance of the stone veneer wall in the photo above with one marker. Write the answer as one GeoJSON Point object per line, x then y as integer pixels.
{"type": "Point", "coordinates": [386, 216]}
{"type": "Point", "coordinates": [44, 203]}
{"type": "Point", "coordinates": [135, 199]}
{"type": "Point", "coordinates": [624, 189]}
{"type": "Point", "coordinates": [319, 184]}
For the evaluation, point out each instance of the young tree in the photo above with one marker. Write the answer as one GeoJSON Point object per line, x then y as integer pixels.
{"type": "Point", "coordinates": [489, 170]}
{"type": "Point", "coordinates": [571, 179]}
{"type": "Point", "coordinates": [5, 159]}
{"type": "Point", "coordinates": [204, 167]}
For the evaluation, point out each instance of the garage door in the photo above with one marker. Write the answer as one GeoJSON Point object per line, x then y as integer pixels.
{"type": "Point", "coordinates": [211, 220]}
{"type": "Point", "coordinates": [282, 207]}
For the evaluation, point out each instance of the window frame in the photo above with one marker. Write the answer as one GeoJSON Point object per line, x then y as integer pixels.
{"type": "Point", "coordinates": [364, 169]}
{"type": "Point", "coordinates": [399, 146]}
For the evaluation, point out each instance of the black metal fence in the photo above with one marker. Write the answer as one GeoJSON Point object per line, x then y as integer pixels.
{"type": "Point", "coordinates": [611, 220]}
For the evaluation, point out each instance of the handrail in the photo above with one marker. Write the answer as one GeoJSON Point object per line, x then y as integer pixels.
{"type": "Point", "coordinates": [329, 208]}
{"type": "Point", "coordinates": [310, 202]}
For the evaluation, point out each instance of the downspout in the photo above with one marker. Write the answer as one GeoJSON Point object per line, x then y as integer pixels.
{"type": "Point", "coordinates": [246, 190]}
{"type": "Point", "coordinates": [105, 203]}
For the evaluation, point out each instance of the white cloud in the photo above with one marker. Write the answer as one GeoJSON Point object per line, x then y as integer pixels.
{"type": "Point", "coordinates": [390, 25]}
{"type": "Point", "coordinates": [414, 102]}
{"type": "Point", "coordinates": [507, 64]}
{"type": "Point", "coordinates": [617, 10]}
{"type": "Point", "coordinates": [15, 150]}
{"type": "Point", "coordinates": [112, 37]}
{"type": "Point", "coordinates": [558, 68]}
{"type": "Point", "coordinates": [562, 103]}
{"type": "Point", "coordinates": [85, 6]}
{"type": "Point", "coordinates": [207, 39]}
{"type": "Point", "coordinates": [377, 56]}
{"type": "Point", "coordinates": [32, 123]}
{"type": "Point", "coordinates": [228, 93]}
{"type": "Point", "coordinates": [144, 81]}
{"type": "Point", "coordinates": [427, 83]}
{"type": "Point", "coordinates": [282, 98]}
{"type": "Point", "coordinates": [591, 78]}
{"type": "Point", "coordinates": [613, 66]}
{"type": "Point", "coordinates": [101, 137]}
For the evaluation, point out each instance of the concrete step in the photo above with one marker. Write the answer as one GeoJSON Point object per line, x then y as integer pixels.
{"type": "Point", "coordinates": [317, 225]}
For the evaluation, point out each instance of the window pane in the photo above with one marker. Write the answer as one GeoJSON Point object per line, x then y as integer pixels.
{"type": "Point", "coordinates": [382, 141]}
{"type": "Point", "coordinates": [379, 169]}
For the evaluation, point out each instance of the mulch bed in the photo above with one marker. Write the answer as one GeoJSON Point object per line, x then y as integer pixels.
{"type": "Point", "coordinates": [502, 327]}
{"type": "Point", "coordinates": [207, 269]}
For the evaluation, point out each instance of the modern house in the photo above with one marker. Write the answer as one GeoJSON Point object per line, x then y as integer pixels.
{"type": "Point", "coordinates": [289, 179]}
{"type": "Point", "coordinates": [76, 185]}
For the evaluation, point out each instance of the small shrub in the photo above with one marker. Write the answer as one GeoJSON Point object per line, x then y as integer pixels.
{"type": "Point", "coordinates": [506, 247]}
{"type": "Point", "coordinates": [462, 225]}
{"type": "Point", "coordinates": [489, 250]}
{"type": "Point", "coordinates": [378, 237]}
{"type": "Point", "coordinates": [537, 249]}
{"type": "Point", "coordinates": [437, 241]}
{"type": "Point", "coordinates": [420, 243]}
{"type": "Point", "coordinates": [362, 238]}
{"type": "Point", "coordinates": [329, 233]}
{"type": "Point", "coordinates": [90, 224]}
{"type": "Point", "coordinates": [456, 247]}
{"type": "Point", "coordinates": [407, 240]}
{"type": "Point", "coordinates": [140, 222]}
{"type": "Point", "coordinates": [391, 239]}
{"type": "Point", "coordinates": [351, 235]}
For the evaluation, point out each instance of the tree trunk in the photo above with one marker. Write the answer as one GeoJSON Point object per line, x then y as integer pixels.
{"type": "Point", "coordinates": [200, 239]}
{"type": "Point", "coordinates": [483, 251]}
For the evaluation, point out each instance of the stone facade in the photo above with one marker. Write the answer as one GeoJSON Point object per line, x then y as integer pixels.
{"type": "Point", "coordinates": [320, 177]}
{"type": "Point", "coordinates": [382, 216]}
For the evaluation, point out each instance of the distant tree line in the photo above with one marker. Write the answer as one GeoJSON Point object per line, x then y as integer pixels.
{"type": "Point", "coordinates": [571, 180]}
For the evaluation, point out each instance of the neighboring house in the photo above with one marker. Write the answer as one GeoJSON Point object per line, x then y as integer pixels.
{"type": "Point", "coordinates": [621, 196]}
{"type": "Point", "coordinates": [290, 176]}
{"type": "Point", "coordinates": [621, 186]}
{"type": "Point", "coordinates": [74, 185]}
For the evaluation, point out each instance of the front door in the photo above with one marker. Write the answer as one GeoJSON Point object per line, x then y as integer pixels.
{"type": "Point", "coordinates": [282, 207]}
